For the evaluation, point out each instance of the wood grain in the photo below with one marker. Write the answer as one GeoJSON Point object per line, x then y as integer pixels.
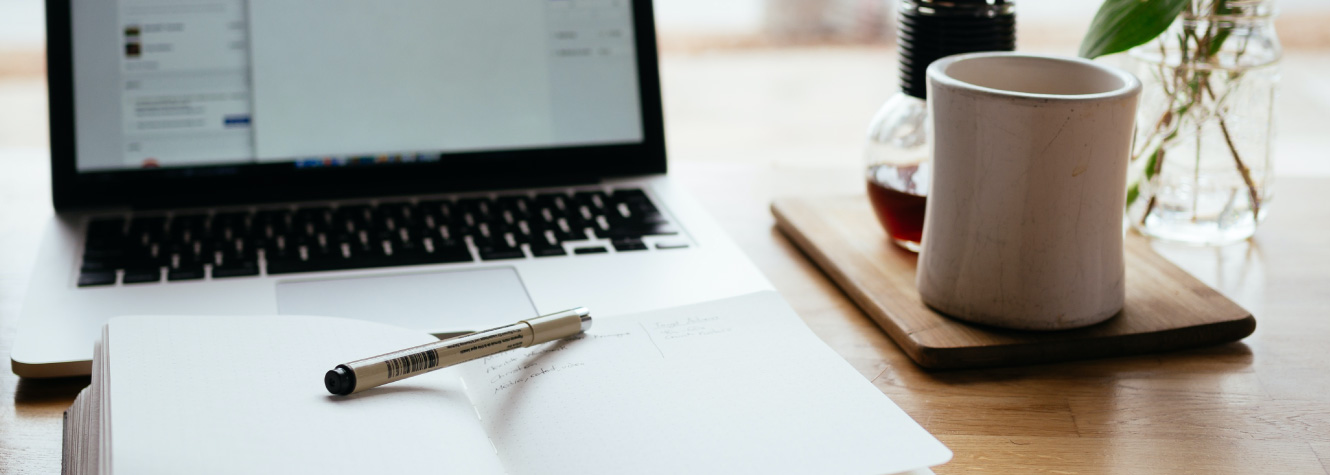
{"type": "Point", "coordinates": [1167, 309]}
{"type": "Point", "coordinates": [1056, 455]}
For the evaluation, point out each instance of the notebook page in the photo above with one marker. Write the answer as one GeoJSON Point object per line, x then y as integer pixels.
{"type": "Point", "coordinates": [737, 385]}
{"type": "Point", "coordinates": [245, 395]}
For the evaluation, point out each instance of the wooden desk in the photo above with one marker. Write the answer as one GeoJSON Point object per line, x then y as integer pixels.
{"type": "Point", "coordinates": [1258, 406]}
{"type": "Point", "coordinates": [1262, 405]}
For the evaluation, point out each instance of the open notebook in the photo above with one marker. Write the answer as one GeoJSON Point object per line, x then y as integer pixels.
{"type": "Point", "coordinates": [733, 386]}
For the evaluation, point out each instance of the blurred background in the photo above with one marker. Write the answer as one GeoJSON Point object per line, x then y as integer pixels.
{"type": "Point", "coordinates": [740, 76]}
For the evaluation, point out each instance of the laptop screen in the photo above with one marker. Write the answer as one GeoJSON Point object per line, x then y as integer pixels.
{"type": "Point", "coordinates": [328, 83]}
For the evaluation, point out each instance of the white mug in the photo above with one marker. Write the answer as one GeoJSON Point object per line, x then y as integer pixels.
{"type": "Point", "coordinates": [1023, 227]}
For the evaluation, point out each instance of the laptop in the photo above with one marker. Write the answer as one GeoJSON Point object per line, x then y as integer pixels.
{"type": "Point", "coordinates": [441, 165]}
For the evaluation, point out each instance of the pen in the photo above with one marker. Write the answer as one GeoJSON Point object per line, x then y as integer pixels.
{"type": "Point", "coordinates": [360, 375]}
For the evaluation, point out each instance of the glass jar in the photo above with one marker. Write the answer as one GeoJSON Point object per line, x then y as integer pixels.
{"type": "Point", "coordinates": [1200, 170]}
{"type": "Point", "coordinates": [899, 167]}
{"type": "Point", "coordinates": [897, 156]}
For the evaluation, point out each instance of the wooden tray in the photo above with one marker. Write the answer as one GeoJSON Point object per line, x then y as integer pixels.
{"type": "Point", "coordinates": [1167, 309]}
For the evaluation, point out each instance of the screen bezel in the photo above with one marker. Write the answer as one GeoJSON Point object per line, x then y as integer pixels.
{"type": "Point", "coordinates": [257, 183]}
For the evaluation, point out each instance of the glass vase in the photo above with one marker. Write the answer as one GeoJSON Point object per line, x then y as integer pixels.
{"type": "Point", "coordinates": [1200, 171]}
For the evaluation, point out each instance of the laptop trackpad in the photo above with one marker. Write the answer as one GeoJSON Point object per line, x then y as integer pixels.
{"type": "Point", "coordinates": [439, 302]}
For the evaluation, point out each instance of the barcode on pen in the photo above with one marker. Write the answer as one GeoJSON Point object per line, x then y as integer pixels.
{"type": "Point", "coordinates": [412, 363]}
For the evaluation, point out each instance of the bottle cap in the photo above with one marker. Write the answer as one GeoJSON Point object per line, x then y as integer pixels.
{"type": "Point", "coordinates": [931, 29]}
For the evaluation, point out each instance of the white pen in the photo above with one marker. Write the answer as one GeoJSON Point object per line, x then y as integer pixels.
{"type": "Point", "coordinates": [360, 375]}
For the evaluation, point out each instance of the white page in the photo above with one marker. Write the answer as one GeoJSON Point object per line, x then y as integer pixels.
{"type": "Point", "coordinates": [245, 395]}
{"type": "Point", "coordinates": [737, 385]}
{"type": "Point", "coordinates": [97, 420]}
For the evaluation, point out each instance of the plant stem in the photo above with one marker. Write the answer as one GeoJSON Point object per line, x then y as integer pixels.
{"type": "Point", "coordinates": [1196, 174]}
{"type": "Point", "coordinates": [1203, 50]}
{"type": "Point", "coordinates": [1252, 192]}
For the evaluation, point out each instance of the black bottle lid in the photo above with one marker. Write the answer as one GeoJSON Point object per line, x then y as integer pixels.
{"type": "Point", "coordinates": [931, 29]}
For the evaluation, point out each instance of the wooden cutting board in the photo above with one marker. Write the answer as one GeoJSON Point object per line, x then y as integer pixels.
{"type": "Point", "coordinates": [1167, 309]}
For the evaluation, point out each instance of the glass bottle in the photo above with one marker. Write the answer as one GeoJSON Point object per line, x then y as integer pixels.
{"type": "Point", "coordinates": [1200, 170]}
{"type": "Point", "coordinates": [898, 155]}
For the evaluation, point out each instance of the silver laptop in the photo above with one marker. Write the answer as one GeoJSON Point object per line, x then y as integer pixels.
{"type": "Point", "coordinates": [442, 165]}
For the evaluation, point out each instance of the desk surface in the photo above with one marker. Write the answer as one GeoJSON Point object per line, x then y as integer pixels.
{"type": "Point", "coordinates": [1259, 405]}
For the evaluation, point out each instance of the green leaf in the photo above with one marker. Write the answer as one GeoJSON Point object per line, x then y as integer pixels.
{"type": "Point", "coordinates": [1153, 162]}
{"type": "Point", "coordinates": [1124, 24]}
{"type": "Point", "coordinates": [1220, 8]}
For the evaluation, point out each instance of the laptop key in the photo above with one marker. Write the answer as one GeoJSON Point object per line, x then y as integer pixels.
{"type": "Point", "coordinates": [408, 256]}
{"type": "Point", "coordinates": [316, 264]}
{"type": "Point", "coordinates": [563, 231]}
{"type": "Point", "coordinates": [94, 265]}
{"type": "Point", "coordinates": [288, 266]}
{"type": "Point", "coordinates": [639, 230]}
{"type": "Point", "coordinates": [519, 207]}
{"type": "Point", "coordinates": [491, 253]}
{"type": "Point", "coordinates": [541, 249]}
{"type": "Point", "coordinates": [616, 217]}
{"type": "Point", "coordinates": [103, 259]}
{"type": "Point", "coordinates": [292, 260]}
{"type": "Point", "coordinates": [634, 201]}
{"type": "Point", "coordinates": [94, 278]}
{"type": "Point", "coordinates": [622, 245]}
{"type": "Point", "coordinates": [190, 272]}
{"type": "Point", "coordinates": [441, 210]}
{"type": "Point", "coordinates": [105, 243]}
{"type": "Point", "coordinates": [241, 269]}
{"type": "Point", "coordinates": [576, 219]}
{"type": "Point", "coordinates": [481, 209]}
{"type": "Point", "coordinates": [590, 250]}
{"type": "Point", "coordinates": [456, 252]}
{"type": "Point", "coordinates": [147, 229]}
{"type": "Point", "coordinates": [594, 200]}
{"type": "Point", "coordinates": [556, 203]}
{"type": "Point", "coordinates": [105, 235]}
{"type": "Point", "coordinates": [142, 275]}
{"type": "Point", "coordinates": [149, 256]}
{"type": "Point", "coordinates": [522, 235]}
{"type": "Point", "coordinates": [187, 228]}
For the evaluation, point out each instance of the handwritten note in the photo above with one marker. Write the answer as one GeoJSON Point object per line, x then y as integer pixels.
{"type": "Point", "coordinates": [496, 375]}
{"type": "Point", "coordinates": [505, 371]}
{"type": "Point", "coordinates": [691, 326]}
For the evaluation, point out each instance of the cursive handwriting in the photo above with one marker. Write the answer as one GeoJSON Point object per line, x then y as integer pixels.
{"type": "Point", "coordinates": [686, 322]}
{"type": "Point", "coordinates": [534, 374]}
{"type": "Point", "coordinates": [500, 361]}
{"type": "Point", "coordinates": [692, 327]}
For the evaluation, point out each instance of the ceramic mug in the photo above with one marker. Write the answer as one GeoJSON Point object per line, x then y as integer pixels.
{"type": "Point", "coordinates": [1023, 227]}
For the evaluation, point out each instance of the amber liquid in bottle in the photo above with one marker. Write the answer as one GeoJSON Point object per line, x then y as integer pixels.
{"type": "Point", "coordinates": [901, 213]}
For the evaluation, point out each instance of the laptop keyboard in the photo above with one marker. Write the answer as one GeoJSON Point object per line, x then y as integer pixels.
{"type": "Point", "coordinates": [229, 244]}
